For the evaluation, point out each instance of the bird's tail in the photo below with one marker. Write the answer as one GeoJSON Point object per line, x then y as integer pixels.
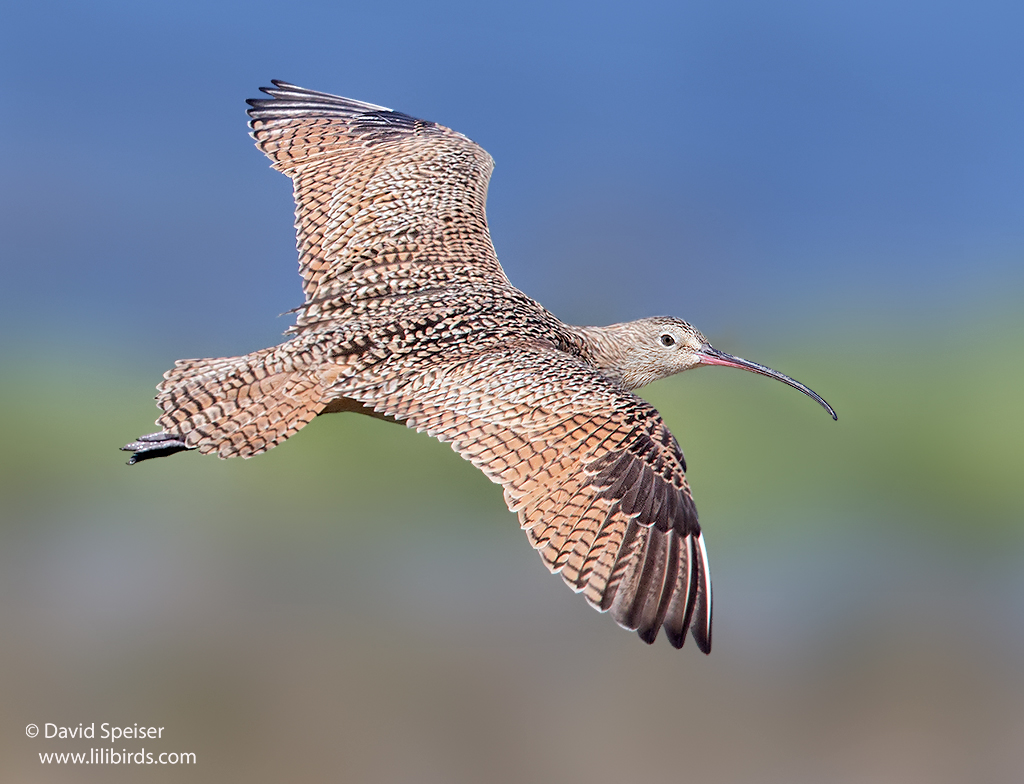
{"type": "Point", "coordinates": [232, 406]}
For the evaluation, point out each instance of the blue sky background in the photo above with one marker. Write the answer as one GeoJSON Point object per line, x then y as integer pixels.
{"type": "Point", "coordinates": [736, 163]}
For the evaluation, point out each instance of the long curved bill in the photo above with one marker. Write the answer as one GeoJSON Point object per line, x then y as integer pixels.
{"type": "Point", "coordinates": [712, 356]}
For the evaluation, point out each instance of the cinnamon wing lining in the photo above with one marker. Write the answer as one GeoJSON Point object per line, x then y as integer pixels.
{"type": "Point", "coordinates": [386, 204]}
{"type": "Point", "coordinates": [594, 474]}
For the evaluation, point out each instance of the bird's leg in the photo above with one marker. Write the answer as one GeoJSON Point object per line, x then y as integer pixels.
{"type": "Point", "coordinates": [155, 445]}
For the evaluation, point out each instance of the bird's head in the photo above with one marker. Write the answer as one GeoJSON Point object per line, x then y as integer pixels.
{"type": "Point", "coordinates": [639, 352]}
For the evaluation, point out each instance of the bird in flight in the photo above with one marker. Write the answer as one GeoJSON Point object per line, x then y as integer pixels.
{"type": "Point", "coordinates": [409, 317]}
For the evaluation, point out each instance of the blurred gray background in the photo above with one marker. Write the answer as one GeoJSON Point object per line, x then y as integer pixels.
{"type": "Point", "coordinates": [833, 189]}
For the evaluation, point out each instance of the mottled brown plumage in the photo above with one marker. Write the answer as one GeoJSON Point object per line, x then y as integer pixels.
{"type": "Point", "coordinates": [409, 317]}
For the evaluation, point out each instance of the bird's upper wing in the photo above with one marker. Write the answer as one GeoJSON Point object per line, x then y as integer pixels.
{"type": "Point", "coordinates": [385, 204]}
{"type": "Point", "coordinates": [596, 477]}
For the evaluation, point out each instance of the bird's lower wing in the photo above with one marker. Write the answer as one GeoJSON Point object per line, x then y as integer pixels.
{"type": "Point", "coordinates": [596, 477]}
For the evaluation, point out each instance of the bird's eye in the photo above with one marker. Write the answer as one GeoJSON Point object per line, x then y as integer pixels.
{"type": "Point", "coordinates": [667, 340]}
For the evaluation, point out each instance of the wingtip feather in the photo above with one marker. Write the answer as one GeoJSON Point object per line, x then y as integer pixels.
{"type": "Point", "coordinates": [701, 627]}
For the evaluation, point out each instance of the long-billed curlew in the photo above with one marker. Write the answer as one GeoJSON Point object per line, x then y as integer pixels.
{"type": "Point", "coordinates": [409, 317]}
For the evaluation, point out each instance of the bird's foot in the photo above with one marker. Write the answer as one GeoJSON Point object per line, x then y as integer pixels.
{"type": "Point", "coordinates": [155, 445]}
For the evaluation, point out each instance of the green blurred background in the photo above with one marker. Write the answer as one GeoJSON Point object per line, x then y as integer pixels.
{"type": "Point", "coordinates": [833, 191]}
